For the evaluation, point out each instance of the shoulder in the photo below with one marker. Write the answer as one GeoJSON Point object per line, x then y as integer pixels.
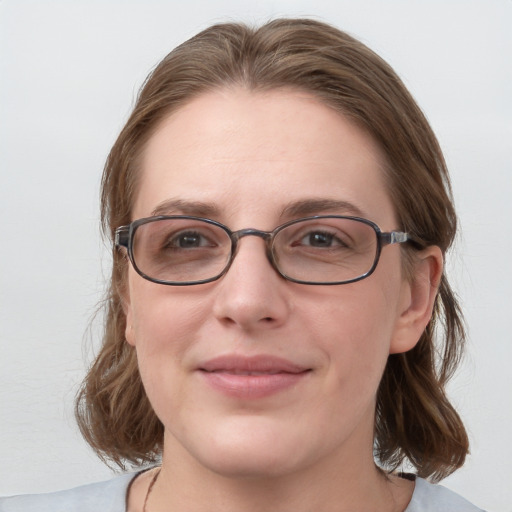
{"type": "Point", "coordinates": [428, 497]}
{"type": "Point", "coordinates": [109, 496]}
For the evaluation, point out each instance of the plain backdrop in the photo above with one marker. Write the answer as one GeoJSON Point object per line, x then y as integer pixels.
{"type": "Point", "coordinates": [69, 72]}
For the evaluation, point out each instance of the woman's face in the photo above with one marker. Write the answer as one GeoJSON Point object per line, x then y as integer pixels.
{"type": "Point", "coordinates": [253, 374]}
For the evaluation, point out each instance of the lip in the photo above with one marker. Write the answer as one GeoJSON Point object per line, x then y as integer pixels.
{"type": "Point", "coordinates": [251, 377]}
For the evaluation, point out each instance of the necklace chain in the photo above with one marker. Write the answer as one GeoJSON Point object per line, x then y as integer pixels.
{"type": "Point", "coordinates": [150, 488]}
{"type": "Point", "coordinates": [155, 478]}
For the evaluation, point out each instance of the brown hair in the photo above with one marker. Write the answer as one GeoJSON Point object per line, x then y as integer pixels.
{"type": "Point", "coordinates": [415, 422]}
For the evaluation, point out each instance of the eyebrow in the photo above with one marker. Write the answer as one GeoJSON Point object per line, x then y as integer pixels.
{"type": "Point", "coordinates": [301, 208]}
{"type": "Point", "coordinates": [308, 207]}
{"type": "Point", "coordinates": [181, 206]}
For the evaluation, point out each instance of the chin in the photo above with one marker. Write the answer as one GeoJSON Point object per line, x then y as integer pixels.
{"type": "Point", "coordinates": [254, 449]}
{"type": "Point", "coordinates": [248, 465]}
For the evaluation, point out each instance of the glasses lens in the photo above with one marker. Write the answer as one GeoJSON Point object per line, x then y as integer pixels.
{"type": "Point", "coordinates": [325, 250]}
{"type": "Point", "coordinates": [180, 250]}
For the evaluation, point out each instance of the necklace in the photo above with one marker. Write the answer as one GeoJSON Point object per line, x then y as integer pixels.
{"type": "Point", "coordinates": [155, 478]}
{"type": "Point", "coordinates": [150, 488]}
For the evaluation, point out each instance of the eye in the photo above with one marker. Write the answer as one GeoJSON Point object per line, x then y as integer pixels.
{"type": "Point", "coordinates": [320, 239]}
{"type": "Point", "coordinates": [188, 240]}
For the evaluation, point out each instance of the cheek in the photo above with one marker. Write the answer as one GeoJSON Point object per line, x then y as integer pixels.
{"type": "Point", "coordinates": [354, 330]}
{"type": "Point", "coordinates": [163, 328]}
{"type": "Point", "coordinates": [161, 316]}
{"type": "Point", "coordinates": [358, 317]}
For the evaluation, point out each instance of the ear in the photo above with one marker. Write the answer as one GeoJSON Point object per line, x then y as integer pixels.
{"type": "Point", "coordinates": [417, 299]}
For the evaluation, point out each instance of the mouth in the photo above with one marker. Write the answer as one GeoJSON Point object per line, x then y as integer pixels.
{"type": "Point", "coordinates": [252, 377]}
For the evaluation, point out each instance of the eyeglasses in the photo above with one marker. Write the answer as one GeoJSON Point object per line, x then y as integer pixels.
{"type": "Point", "coordinates": [322, 250]}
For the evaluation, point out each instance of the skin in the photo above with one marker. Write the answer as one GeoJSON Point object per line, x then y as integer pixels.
{"type": "Point", "coordinates": [250, 156]}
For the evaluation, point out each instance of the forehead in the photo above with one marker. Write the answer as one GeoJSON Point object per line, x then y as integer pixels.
{"type": "Point", "coordinates": [238, 148]}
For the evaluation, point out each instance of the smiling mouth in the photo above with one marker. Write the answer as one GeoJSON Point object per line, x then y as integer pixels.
{"type": "Point", "coordinates": [259, 364]}
{"type": "Point", "coordinates": [252, 377]}
{"type": "Point", "coordinates": [248, 373]}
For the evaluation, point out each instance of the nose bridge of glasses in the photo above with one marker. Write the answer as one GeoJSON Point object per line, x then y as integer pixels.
{"type": "Point", "coordinates": [266, 236]}
{"type": "Point", "coordinates": [241, 233]}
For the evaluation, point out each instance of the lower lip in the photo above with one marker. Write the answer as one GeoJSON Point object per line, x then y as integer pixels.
{"type": "Point", "coordinates": [252, 386]}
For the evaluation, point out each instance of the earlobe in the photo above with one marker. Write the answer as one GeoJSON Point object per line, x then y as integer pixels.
{"type": "Point", "coordinates": [418, 299]}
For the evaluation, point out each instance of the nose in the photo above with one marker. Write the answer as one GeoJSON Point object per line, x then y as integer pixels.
{"type": "Point", "coordinates": [252, 295]}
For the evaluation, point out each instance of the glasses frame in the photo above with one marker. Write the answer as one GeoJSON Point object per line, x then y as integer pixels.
{"type": "Point", "coordinates": [124, 236]}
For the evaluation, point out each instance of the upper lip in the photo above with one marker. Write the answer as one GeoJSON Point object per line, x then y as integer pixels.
{"type": "Point", "coordinates": [250, 365]}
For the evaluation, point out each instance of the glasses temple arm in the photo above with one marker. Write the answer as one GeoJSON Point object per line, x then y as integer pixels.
{"type": "Point", "coordinates": [122, 236]}
{"type": "Point", "coordinates": [399, 237]}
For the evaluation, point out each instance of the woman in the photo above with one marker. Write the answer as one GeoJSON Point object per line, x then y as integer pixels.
{"type": "Point", "coordinates": [280, 210]}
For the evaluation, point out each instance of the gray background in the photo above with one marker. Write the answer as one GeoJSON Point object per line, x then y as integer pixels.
{"type": "Point", "coordinates": [69, 71]}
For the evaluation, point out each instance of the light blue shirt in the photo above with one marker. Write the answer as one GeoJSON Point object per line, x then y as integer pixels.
{"type": "Point", "coordinates": [110, 496]}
